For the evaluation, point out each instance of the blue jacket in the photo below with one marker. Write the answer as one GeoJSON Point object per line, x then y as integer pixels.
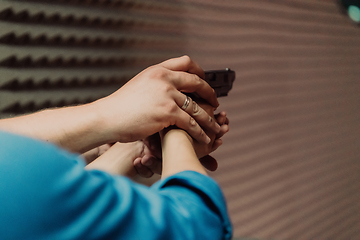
{"type": "Point", "coordinates": [45, 193]}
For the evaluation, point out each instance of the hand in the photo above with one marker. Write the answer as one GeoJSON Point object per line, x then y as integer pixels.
{"type": "Point", "coordinates": [202, 150]}
{"type": "Point", "coordinates": [151, 162]}
{"type": "Point", "coordinates": [153, 144]}
{"type": "Point", "coordinates": [208, 161]}
{"type": "Point", "coordinates": [123, 159]}
{"type": "Point", "coordinates": [152, 101]}
{"type": "Point", "coordinates": [197, 107]}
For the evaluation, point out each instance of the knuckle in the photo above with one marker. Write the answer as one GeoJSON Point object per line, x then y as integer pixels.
{"type": "Point", "coordinates": [197, 82]}
{"type": "Point", "coordinates": [171, 107]}
{"type": "Point", "coordinates": [157, 72]}
{"type": "Point", "coordinates": [187, 60]}
{"type": "Point", "coordinates": [166, 88]}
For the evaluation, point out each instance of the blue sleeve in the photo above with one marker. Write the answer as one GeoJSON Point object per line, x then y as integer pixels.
{"type": "Point", "coordinates": [45, 193]}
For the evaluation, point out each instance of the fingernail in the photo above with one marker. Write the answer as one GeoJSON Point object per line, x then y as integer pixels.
{"type": "Point", "coordinates": [208, 140]}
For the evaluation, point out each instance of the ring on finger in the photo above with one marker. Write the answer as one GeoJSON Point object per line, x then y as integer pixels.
{"type": "Point", "coordinates": [186, 103]}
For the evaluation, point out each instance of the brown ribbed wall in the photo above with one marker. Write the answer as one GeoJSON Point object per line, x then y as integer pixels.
{"type": "Point", "coordinates": [62, 52]}
{"type": "Point", "coordinates": [290, 165]}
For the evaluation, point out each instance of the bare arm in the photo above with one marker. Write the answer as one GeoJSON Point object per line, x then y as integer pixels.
{"type": "Point", "coordinates": [76, 129]}
{"type": "Point", "coordinates": [144, 156]}
{"type": "Point", "coordinates": [148, 103]}
{"type": "Point", "coordinates": [179, 154]}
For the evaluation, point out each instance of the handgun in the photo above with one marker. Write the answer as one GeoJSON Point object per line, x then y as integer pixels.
{"type": "Point", "coordinates": [220, 80]}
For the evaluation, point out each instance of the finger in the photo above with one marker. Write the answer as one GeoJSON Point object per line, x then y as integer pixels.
{"type": "Point", "coordinates": [221, 118]}
{"type": "Point", "coordinates": [217, 143]}
{"type": "Point", "coordinates": [198, 113]}
{"type": "Point", "coordinates": [185, 64]}
{"type": "Point", "coordinates": [94, 153]}
{"type": "Point", "coordinates": [141, 169]}
{"type": "Point", "coordinates": [209, 163]}
{"type": "Point", "coordinates": [191, 83]}
{"type": "Point", "coordinates": [223, 129]}
{"type": "Point", "coordinates": [90, 155]}
{"type": "Point", "coordinates": [153, 145]}
{"type": "Point", "coordinates": [188, 123]}
{"type": "Point", "coordinates": [104, 148]}
{"type": "Point", "coordinates": [152, 163]}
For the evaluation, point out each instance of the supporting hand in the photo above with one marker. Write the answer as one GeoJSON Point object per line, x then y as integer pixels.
{"type": "Point", "coordinates": [123, 159]}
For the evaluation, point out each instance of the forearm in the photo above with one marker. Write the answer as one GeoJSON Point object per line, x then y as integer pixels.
{"type": "Point", "coordinates": [76, 129]}
{"type": "Point", "coordinates": [179, 154]}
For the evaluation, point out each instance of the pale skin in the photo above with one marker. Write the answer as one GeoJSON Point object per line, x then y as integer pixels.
{"type": "Point", "coordinates": [179, 153]}
{"type": "Point", "coordinates": [147, 104]}
{"type": "Point", "coordinates": [132, 159]}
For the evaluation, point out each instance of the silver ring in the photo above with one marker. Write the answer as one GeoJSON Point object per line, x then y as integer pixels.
{"type": "Point", "coordinates": [186, 103]}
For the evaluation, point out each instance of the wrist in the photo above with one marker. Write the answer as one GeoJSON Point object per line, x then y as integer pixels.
{"type": "Point", "coordinates": [179, 154]}
{"type": "Point", "coordinates": [100, 122]}
{"type": "Point", "coordinates": [176, 136]}
{"type": "Point", "coordinates": [81, 128]}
